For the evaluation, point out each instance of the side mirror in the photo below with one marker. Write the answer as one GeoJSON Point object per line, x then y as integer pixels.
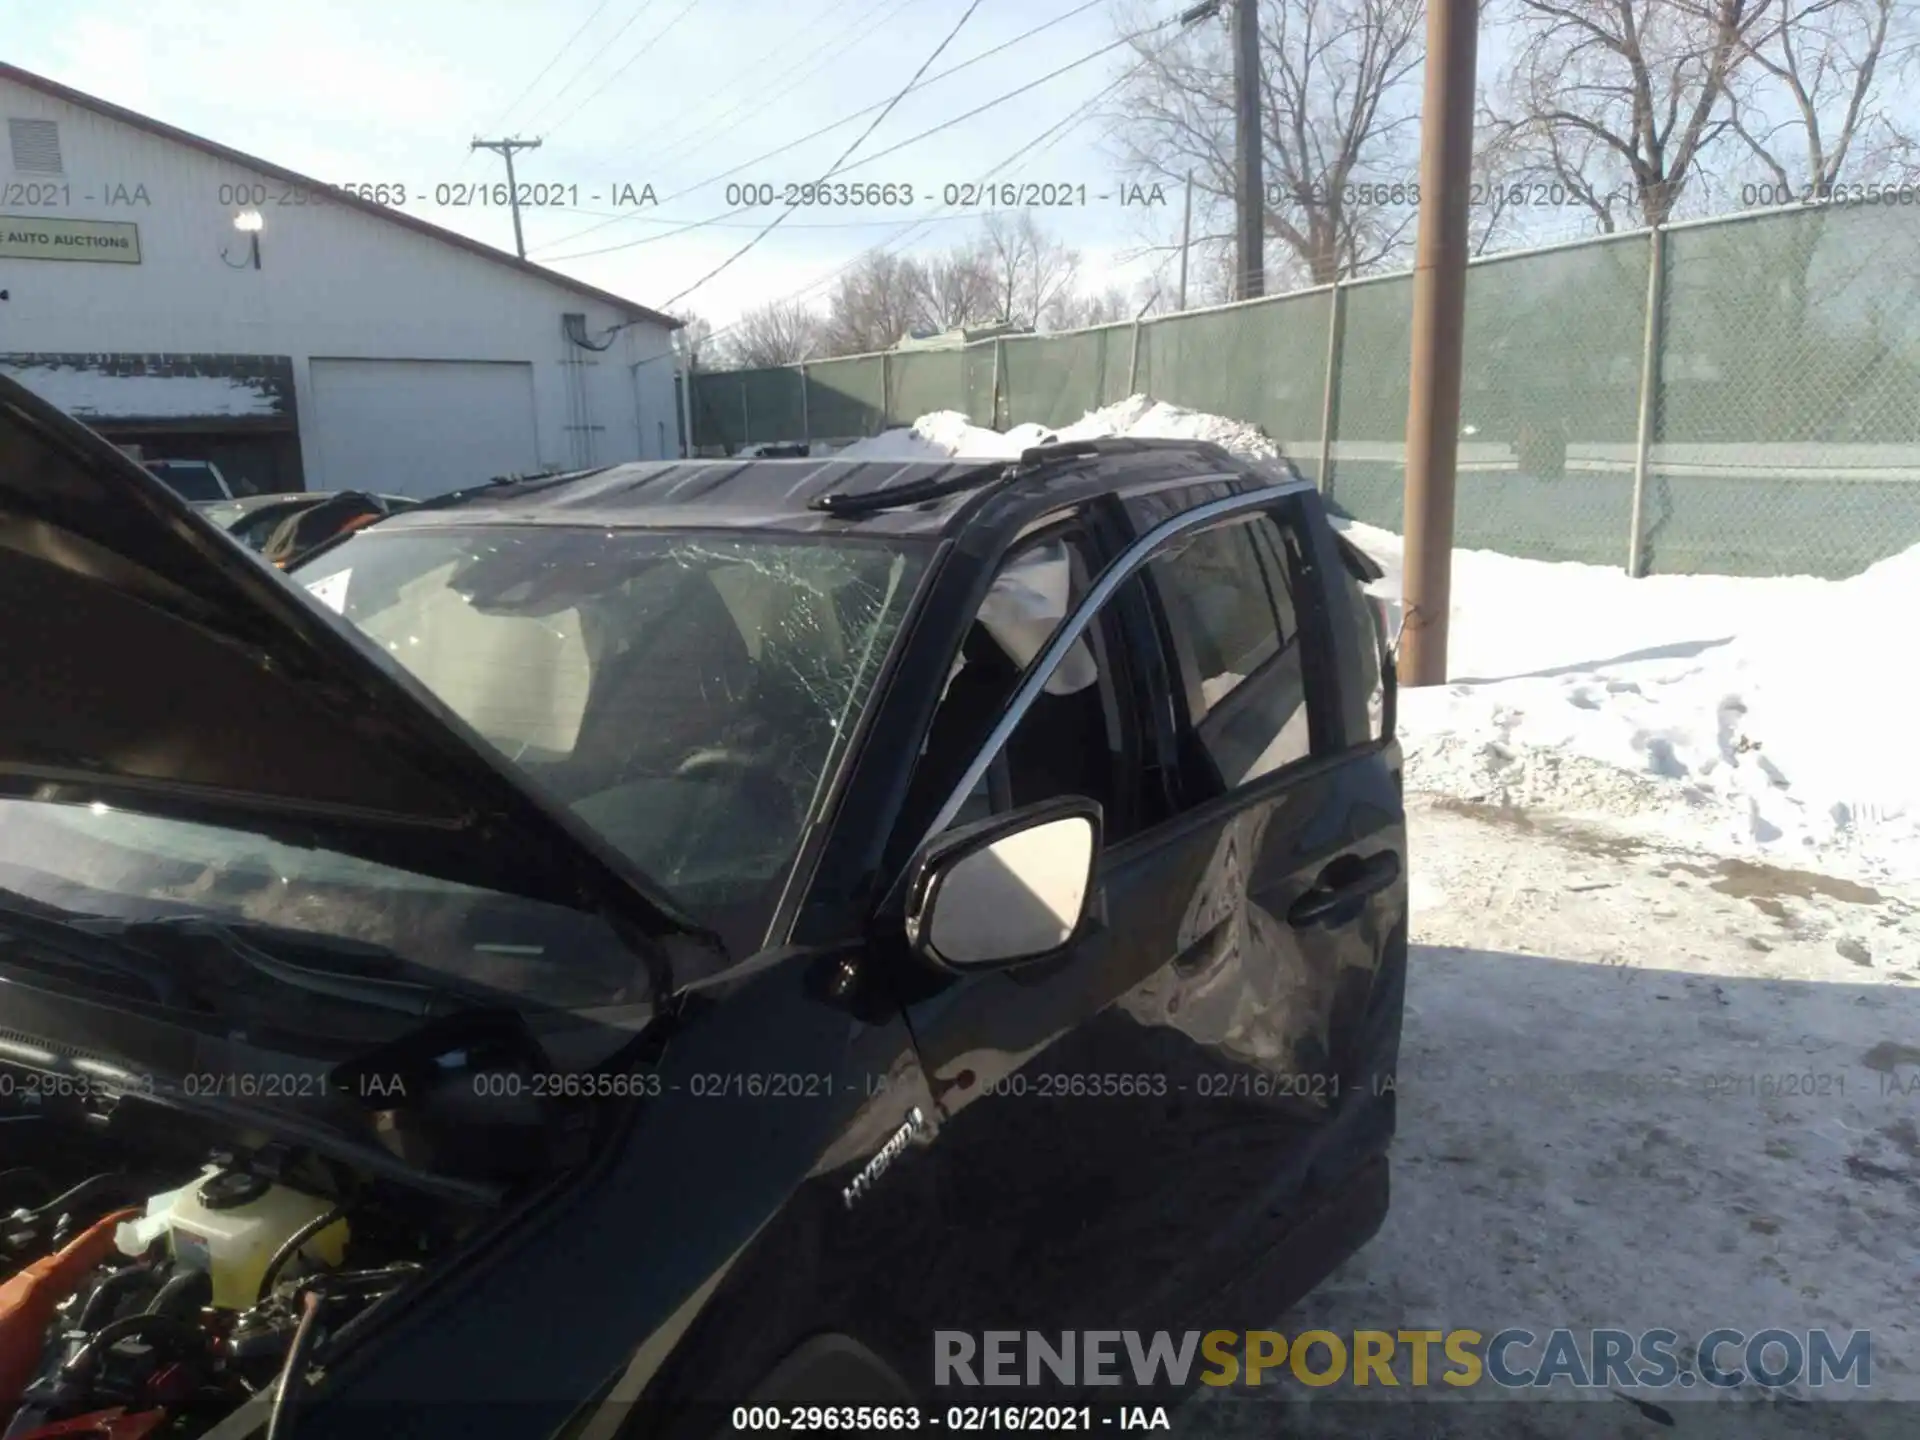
{"type": "Point", "coordinates": [1006, 890]}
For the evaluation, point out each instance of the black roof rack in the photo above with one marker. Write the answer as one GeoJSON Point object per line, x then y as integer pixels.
{"type": "Point", "coordinates": [1031, 460]}
{"type": "Point", "coordinates": [550, 478]}
{"type": "Point", "coordinates": [1133, 444]}
{"type": "Point", "coordinates": [914, 492]}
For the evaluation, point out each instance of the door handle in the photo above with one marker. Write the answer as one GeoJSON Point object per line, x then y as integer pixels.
{"type": "Point", "coordinates": [1343, 882]}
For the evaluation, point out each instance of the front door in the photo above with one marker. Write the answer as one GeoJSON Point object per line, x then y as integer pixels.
{"type": "Point", "coordinates": [1129, 1127]}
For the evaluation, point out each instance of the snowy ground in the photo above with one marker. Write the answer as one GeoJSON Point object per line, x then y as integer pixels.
{"type": "Point", "coordinates": [1766, 718]}
{"type": "Point", "coordinates": [1662, 1059]}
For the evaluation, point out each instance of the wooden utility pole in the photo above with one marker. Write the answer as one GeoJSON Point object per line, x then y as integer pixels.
{"type": "Point", "coordinates": [1439, 324]}
{"type": "Point", "coordinates": [1250, 202]}
{"type": "Point", "coordinates": [505, 148]}
{"type": "Point", "coordinates": [1186, 240]}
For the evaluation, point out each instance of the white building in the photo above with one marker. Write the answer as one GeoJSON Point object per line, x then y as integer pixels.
{"type": "Point", "coordinates": [341, 344]}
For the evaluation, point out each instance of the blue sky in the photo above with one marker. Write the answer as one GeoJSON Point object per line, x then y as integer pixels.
{"type": "Point", "coordinates": [668, 93]}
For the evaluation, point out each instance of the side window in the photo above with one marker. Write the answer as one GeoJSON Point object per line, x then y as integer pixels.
{"type": "Point", "coordinates": [1072, 738]}
{"type": "Point", "coordinates": [1368, 621]}
{"type": "Point", "coordinates": [1228, 600]}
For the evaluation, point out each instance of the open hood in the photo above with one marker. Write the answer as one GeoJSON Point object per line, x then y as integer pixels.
{"type": "Point", "coordinates": [151, 664]}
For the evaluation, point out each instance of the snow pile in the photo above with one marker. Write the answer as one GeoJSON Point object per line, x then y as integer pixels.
{"type": "Point", "coordinates": [93, 394]}
{"type": "Point", "coordinates": [1749, 714]}
{"type": "Point", "coordinates": [948, 434]}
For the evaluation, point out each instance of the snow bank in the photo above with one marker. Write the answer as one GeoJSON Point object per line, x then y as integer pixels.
{"type": "Point", "coordinates": [948, 434]}
{"type": "Point", "coordinates": [92, 394]}
{"type": "Point", "coordinates": [1750, 714]}
{"type": "Point", "coordinates": [1760, 715]}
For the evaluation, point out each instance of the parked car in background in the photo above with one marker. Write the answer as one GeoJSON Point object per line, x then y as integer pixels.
{"type": "Point", "coordinates": [191, 479]}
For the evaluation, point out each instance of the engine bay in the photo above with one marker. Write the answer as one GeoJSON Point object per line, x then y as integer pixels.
{"type": "Point", "coordinates": [159, 1268]}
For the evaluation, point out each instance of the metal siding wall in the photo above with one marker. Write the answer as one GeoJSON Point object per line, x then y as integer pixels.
{"type": "Point", "coordinates": [333, 281]}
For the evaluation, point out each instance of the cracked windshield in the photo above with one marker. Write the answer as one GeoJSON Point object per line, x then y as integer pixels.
{"type": "Point", "coordinates": [684, 695]}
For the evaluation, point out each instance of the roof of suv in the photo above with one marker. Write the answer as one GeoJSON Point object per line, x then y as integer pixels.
{"type": "Point", "coordinates": [916, 497]}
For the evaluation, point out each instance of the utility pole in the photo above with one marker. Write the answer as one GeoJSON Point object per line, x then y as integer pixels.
{"type": "Point", "coordinates": [1251, 200]}
{"type": "Point", "coordinates": [505, 148]}
{"type": "Point", "coordinates": [1439, 324]}
{"type": "Point", "coordinates": [1186, 240]}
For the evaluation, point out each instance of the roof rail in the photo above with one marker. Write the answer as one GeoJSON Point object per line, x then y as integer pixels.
{"type": "Point", "coordinates": [450, 498]}
{"type": "Point", "coordinates": [1134, 444]}
{"type": "Point", "coordinates": [1032, 460]}
{"type": "Point", "coordinates": [914, 492]}
{"type": "Point", "coordinates": [1112, 445]}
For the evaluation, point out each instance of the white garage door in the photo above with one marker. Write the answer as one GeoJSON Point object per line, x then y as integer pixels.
{"type": "Point", "coordinates": [420, 427]}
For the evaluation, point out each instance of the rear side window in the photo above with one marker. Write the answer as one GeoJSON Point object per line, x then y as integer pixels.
{"type": "Point", "coordinates": [189, 482]}
{"type": "Point", "coordinates": [1235, 631]}
{"type": "Point", "coordinates": [1363, 613]}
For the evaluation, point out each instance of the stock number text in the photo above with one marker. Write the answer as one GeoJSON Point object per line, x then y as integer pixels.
{"type": "Point", "coordinates": [1904, 193]}
{"type": "Point", "coordinates": [819, 192]}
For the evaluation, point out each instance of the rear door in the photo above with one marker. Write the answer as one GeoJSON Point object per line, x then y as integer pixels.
{"type": "Point", "coordinates": [1131, 1126]}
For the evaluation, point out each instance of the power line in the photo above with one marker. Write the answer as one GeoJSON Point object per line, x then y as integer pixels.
{"type": "Point", "coordinates": [1041, 142]}
{"type": "Point", "coordinates": [828, 129]}
{"type": "Point", "coordinates": [1045, 139]}
{"type": "Point", "coordinates": [548, 67]}
{"type": "Point", "coordinates": [966, 64]}
{"type": "Point", "coordinates": [644, 51]}
{"type": "Point", "coordinates": [857, 29]}
{"type": "Point", "coordinates": [846, 154]}
{"type": "Point", "coordinates": [925, 134]}
{"type": "Point", "coordinates": [997, 100]}
{"type": "Point", "coordinates": [746, 76]}
{"type": "Point", "coordinates": [632, 20]}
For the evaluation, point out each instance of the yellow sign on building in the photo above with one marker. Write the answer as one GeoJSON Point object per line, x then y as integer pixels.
{"type": "Point", "coordinates": [40, 237]}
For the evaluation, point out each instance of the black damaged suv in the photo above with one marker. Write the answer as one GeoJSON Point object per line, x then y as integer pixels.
{"type": "Point", "coordinates": [688, 932]}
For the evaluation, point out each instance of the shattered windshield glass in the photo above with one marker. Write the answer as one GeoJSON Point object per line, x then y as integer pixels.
{"type": "Point", "coordinates": [683, 693]}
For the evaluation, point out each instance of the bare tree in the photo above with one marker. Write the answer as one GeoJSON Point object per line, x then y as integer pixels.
{"type": "Point", "coordinates": [1339, 105]}
{"type": "Point", "coordinates": [958, 288]}
{"type": "Point", "coordinates": [1081, 309]}
{"type": "Point", "coordinates": [1495, 221]}
{"type": "Point", "coordinates": [873, 305]}
{"type": "Point", "coordinates": [1820, 75]}
{"type": "Point", "coordinates": [694, 339]}
{"type": "Point", "coordinates": [1013, 271]}
{"type": "Point", "coordinates": [1619, 102]}
{"type": "Point", "coordinates": [1028, 269]}
{"type": "Point", "coordinates": [781, 332]}
{"type": "Point", "coordinates": [1213, 273]}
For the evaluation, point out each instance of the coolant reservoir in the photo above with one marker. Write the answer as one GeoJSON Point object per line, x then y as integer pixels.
{"type": "Point", "coordinates": [230, 1223]}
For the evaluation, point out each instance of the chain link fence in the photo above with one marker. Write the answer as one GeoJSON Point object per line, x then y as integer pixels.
{"type": "Point", "coordinates": [1740, 396]}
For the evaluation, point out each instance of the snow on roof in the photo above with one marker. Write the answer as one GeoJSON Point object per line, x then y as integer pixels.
{"type": "Point", "coordinates": [89, 393]}
{"type": "Point", "coordinates": [948, 433]}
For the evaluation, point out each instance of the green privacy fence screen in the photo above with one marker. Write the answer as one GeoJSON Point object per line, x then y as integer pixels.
{"type": "Point", "coordinates": [1754, 382]}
